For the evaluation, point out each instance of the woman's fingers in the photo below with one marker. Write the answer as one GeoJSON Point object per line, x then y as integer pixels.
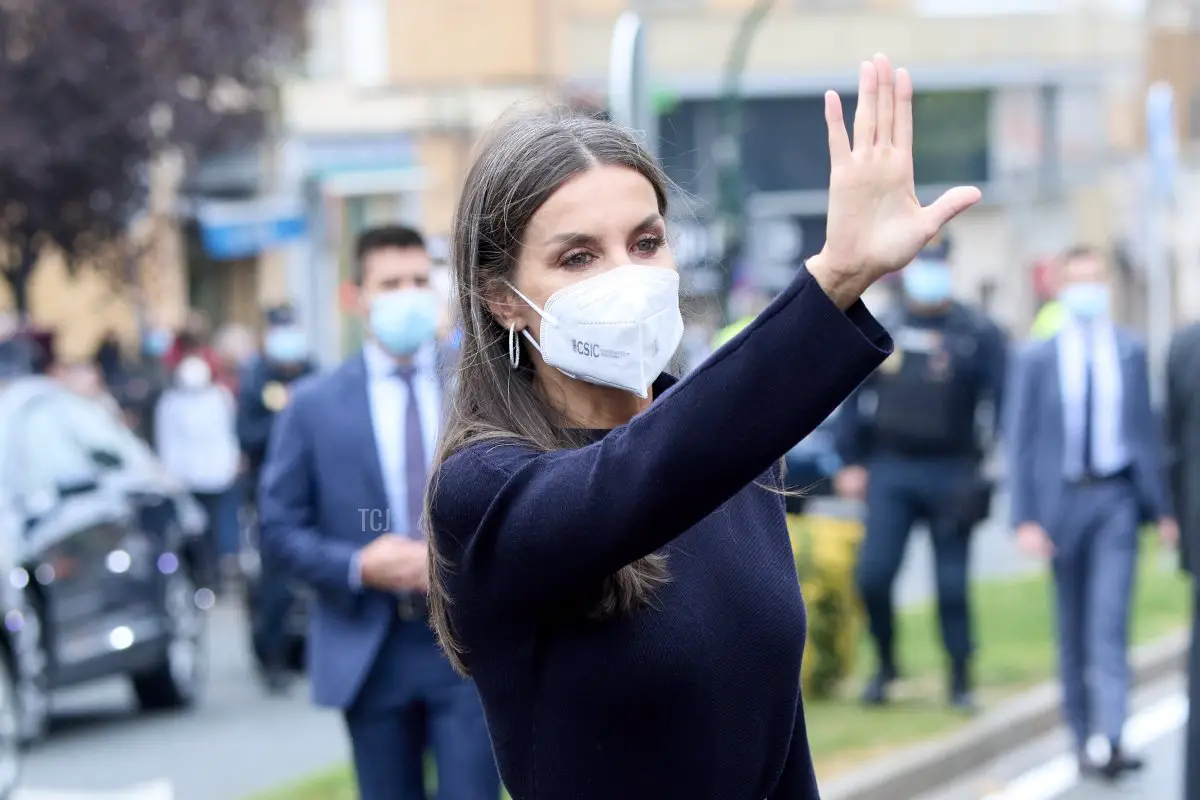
{"type": "Point", "coordinates": [865, 113]}
{"type": "Point", "coordinates": [902, 129]}
{"type": "Point", "coordinates": [884, 100]}
{"type": "Point", "coordinates": [839, 138]}
{"type": "Point", "coordinates": [952, 203]}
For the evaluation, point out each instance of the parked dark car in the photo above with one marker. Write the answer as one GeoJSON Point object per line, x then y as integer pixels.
{"type": "Point", "coordinates": [101, 549]}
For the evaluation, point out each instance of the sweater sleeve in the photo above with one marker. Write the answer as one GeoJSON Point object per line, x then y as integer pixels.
{"type": "Point", "coordinates": [527, 529]}
{"type": "Point", "coordinates": [799, 778]}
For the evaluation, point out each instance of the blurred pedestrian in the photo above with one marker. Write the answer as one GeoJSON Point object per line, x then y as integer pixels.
{"type": "Point", "coordinates": [109, 358]}
{"type": "Point", "coordinates": [236, 348]}
{"type": "Point", "coordinates": [609, 561]}
{"type": "Point", "coordinates": [145, 381]}
{"type": "Point", "coordinates": [1053, 315]}
{"type": "Point", "coordinates": [912, 447]}
{"type": "Point", "coordinates": [1086, 468]}
{"type": "Point", "coordinates": [266, 388]}
{"type": "Point", "coordinates": [195, 439]}
{"type": "Point", "coordinates": [195, 338]}
{"type": "Point", "coordinates": [1183, 438]}
{"type": "Point", "coordinates": [340, 506]}
{"type": "Point", "coordinates": [745, 303]}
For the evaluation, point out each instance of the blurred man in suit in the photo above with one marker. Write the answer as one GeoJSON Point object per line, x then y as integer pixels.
{"type": "Point", "coordinates": [340, 509]}
{"type": "Point", "coordinates": [1087, 469]}
{"type": "Point", "coordinates": [1183, 437]}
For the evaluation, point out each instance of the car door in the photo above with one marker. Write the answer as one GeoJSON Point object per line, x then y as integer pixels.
{"type": "Point", "coordinates": [75, 541]}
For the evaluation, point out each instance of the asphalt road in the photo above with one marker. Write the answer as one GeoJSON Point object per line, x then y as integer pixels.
{"type": "Point", "coordinates": [1046, 769]}
{"type": "Point", "coordinates": [238, 741]}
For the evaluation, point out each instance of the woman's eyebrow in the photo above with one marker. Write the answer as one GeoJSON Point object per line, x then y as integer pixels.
{"type": "Point", "coordinates": [577, 239]}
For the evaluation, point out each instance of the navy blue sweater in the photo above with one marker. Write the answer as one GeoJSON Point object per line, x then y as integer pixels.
{"type": "Point", "coordinates": [696, 697]}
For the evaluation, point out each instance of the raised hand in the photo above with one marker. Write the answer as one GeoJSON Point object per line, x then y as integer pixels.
{"type": "Point", "coordinates": [876, 224]}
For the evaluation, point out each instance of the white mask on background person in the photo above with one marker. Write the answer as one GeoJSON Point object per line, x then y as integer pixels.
{"type": "Point", "coordinates": [193, 372]}
{"type": "Point", "coordinates": [619, 328]}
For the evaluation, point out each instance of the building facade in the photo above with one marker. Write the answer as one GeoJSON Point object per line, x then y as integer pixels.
{"type": "Point", "coordinates": [1036, 101]}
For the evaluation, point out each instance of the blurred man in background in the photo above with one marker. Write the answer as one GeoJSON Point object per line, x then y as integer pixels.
{"type": "Point", "coordinates": [1086, 468]}
{"type": "Point", "coordinates": [110, 359]}
{"type": "Point", "coordinates": [265, 390]}
{"type": "Point", "coordinates": [1183, 439]}
{"type": "Point", "coordinates": [1053, 315]}
{"type": "Point", "coordinates": [745, 303]}
{"type": "Point", "coordinates": [913, 450]}
{"type": "Point", "coordinates": [341, 505]}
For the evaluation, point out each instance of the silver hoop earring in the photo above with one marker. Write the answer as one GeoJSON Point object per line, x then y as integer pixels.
{"type": "Point", "coordinates": [514, 347]}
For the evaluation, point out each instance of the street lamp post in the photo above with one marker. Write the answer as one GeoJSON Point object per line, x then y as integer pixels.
{"type": "Point", "coordinates": [629, 101]}
{"type": "Point", "coordinates": [727, 150]}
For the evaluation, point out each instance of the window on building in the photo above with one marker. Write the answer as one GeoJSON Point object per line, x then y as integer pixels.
{"type": "Point", "coordinates": [950, 137]}
{"type": "Point", "coordinates": [677, 145]}
{"type": "Point", "coordinates": [785, 143]}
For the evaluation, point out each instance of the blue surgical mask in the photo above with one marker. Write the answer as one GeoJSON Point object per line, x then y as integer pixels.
{"type": "Point", "coordinates": [404, 319]}
{"type": "Point", "coordinates": [286, 345]}
{"type": "Point", "coordinates": [1086, 301]}
{"type": "Point", "coordinates": [927, 282]}
{"type": "Point", "coordinates": [156, 343]}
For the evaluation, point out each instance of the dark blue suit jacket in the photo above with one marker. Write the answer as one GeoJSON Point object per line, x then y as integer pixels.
{"type": "Point", "coordinates": [1036, 438]}
{"type": "Point", "coordinates": [321, 482]}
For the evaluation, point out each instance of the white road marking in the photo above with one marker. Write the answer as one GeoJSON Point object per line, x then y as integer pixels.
{"type": "Point", "coordinates": [1060, 774]}
{"type": "Point", "coordinates": [158, 790]}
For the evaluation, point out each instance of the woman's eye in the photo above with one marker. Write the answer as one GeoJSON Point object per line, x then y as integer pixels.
{"type": "Point", "coordinates": [580, 258]}
{"type": "Point", "coordinates": [649, 245]}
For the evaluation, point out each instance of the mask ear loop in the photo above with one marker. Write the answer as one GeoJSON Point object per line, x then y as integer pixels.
{"type": "Point", "coordinates": [514, 347]}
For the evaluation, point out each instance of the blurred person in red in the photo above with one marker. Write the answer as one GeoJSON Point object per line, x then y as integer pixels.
{"type": "Point", "coordinates": [194, 339]}
{"type": "Point", "coordinates": [236, 346]}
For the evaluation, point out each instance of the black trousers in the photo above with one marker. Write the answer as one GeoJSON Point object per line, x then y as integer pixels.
{"type": "Point", "coordinates": [902, 491]}
{"type": "Point", "coordinates": [211, 502]}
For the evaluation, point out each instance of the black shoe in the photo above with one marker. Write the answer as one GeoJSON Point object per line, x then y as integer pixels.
{"type": "Point", "coordinates": [875, 694]}
{"type": "Point", "coordinates": [1119, 763]}
{"type": "Point", "coordinates": [963, 701]}
{"type": "Point", "coordinates": [961, 697]}
{"type": "Point", "coordinates": [1111, 766]}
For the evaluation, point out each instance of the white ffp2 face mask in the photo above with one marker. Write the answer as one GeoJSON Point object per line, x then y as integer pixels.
{"type": "Point", "coordinates": [619, 328]}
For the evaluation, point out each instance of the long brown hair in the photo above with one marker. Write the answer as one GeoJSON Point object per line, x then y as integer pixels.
{"type": "Point", "coordinates": [525, 160]}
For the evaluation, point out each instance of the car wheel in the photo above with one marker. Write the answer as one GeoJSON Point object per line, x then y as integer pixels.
{"type": "Point", "coordinates": [32, 679]}
{"type": "Point", "coordinates": [10, 730]}
{"type": "Point", "coordinates": [178, 680]}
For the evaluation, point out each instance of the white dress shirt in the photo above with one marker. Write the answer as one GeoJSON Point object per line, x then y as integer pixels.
{"type": "Point", "coordinates": [1110, 454]}
{"type": "Point", "coordinates": [389, 403]}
